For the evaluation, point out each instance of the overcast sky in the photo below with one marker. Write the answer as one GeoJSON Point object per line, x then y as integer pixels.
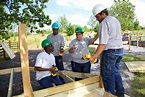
{"type": "Point", "coordinates": [79, 11]}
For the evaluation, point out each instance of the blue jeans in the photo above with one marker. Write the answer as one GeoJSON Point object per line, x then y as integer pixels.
{"type": "Point", "coordinates": [59, 62]}
{"type": "Point", "coordinates": [110, 71]}
{"type": "Point", "coordinates": [46, 82]}
{"type": "Point", "coordinates": [59, 65]}
{"type": "Point", "coordinates": [81, 67]}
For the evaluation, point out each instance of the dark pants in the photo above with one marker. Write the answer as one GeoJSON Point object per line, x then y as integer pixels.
{"type": "Point", "coordinates": [59, 62]}
{"type": "Point", "coordinates": [81, 67]}
{"type": "Point", "coordinates": [46, 82]}
{"type": "Point", "coordinates": [59, 65]}
{"type": "Point", "coordinates": [110, 71]}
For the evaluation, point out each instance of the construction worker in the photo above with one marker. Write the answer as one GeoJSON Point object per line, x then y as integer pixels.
{"type": "Point", "coordinates": [58, 44]}
{"type": "Point", "coordinates": [111, 47]}
{"type": "Point", "coordinates": [79, 48]}
{"type": "Point", "coordinates": [45, 66]}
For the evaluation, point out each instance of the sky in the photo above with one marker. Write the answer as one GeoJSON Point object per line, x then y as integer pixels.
{"type": "Point", "coordinates": [79, 11]}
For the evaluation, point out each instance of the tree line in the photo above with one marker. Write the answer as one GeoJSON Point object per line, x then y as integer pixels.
{"type": "Point", "coordinates": [14, 12]}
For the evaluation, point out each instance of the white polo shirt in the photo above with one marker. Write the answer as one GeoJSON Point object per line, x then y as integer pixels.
{"type": "Point", "coordinates": [44, 60]}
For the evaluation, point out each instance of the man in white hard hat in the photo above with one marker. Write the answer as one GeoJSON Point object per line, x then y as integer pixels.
{"type": "Point", "coordinates": [111, 47]}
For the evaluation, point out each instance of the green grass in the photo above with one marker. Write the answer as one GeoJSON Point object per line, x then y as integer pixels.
{"type": "Point", "coordinates": [138, 82]}
{"type": "Point", "coordinates": [130, 58]}
{"type": "Point", "coordinates": [92, 50]}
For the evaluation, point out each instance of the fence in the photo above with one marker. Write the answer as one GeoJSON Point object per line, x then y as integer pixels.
{"type": "Point", "coordinates": [2, 52]}
{"type": "Point", "coordinates": [13, 46]}
{"type": "Point", "coordinates": [135, 40]}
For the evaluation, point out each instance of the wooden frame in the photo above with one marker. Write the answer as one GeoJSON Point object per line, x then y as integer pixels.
{"type": "Point", "coordinates": [88, 87]}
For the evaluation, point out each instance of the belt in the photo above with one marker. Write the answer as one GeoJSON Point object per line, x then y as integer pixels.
{"type": "Point", "coordinates": [114, 50]}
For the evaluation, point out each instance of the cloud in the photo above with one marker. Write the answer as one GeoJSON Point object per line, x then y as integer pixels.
{"type": "Point", "coordinates": [139, 6]}
{"type": "Point", "coordinates": [84, 4]}
{"type": "Point", "coordinates": [88, 4]}
{"type": "Point", "coordinates": [79, 11]}
{"type": "Point", "coordinates": [77, 19]}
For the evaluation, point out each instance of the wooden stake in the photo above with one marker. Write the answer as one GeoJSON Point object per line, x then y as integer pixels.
{"type": "Point", "coordinates": [100, 77]}
{"type": "Point", "coordinates": [129, 40]}
{"type": "Point", "coordinates": [137, 39]}
{"type": "Point", "coordinates": [24, 61]}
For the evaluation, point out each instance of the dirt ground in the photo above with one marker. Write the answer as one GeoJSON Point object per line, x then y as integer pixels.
{"type": "Point", "coordinates": [17, 79]}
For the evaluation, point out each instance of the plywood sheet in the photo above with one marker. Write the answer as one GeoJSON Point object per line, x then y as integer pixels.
{"type": "Point", "coordinates": [137, 66]}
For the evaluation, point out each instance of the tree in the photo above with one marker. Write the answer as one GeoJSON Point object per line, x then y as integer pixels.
{"type": "Point", "coordinates": [22, 11]}
{"type": "Point", "coordinates": [70, 30]}
{"type": "Point", "coordinates": [96, 28]}
{"type": "Point", "coordinates": [86, 29]}
{"type": "Point", "coordinates": [92, 22]}
{"type": "Point", "coordinates": [62, 20]}
{"type": "Point", "coordinates": [41, 32]}
{"type": "Point", "coordinates": [136, 25]}
{"type": "Point", "coordinates": [124, 11]}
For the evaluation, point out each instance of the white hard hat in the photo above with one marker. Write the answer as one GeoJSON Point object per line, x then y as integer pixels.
{"type": "Point", "coordinates": [98, 8]}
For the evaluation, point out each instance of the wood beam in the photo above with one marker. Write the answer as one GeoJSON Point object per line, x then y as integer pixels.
{"type": "Point", "coordinates": [8, 71]}
{"type": "Point", "coordinates": [65, 77]}
{"type": "Point", "coordinates": [64, 88]}
{"type": "Point", "coordinates": [10, 84]}
{"type": "Point", "coordinates": [24, 60]}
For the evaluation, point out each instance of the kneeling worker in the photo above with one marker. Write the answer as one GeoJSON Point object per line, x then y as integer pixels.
{"type": "Point", "coordinates": [45, 66]}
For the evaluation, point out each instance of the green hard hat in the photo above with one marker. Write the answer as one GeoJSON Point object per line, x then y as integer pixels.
{"type": "Point", "coordinates": [79, 30]}
{"type": "Point", "coordinates": [45, 43]}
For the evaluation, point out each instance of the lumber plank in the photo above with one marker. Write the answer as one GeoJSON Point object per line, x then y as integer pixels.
{"type": "Point", "coordinates": [8, 71]}
{"type": "Point", "coordinates": [77, 92]}
{"type": "Point", "coordinates": [8, 50]}
{"type": "Point", "coordinates": [10, 84]}
{"type": "Point", "coordinates": [65, 77]}
{"type": "Point", "coordinates": [78, 75]}
{"type": "Point", "coordinates": [24, 60]}
{"type": "Point", "coordinates": [137, 66]}
{"type": "Point", "coordinates": [64, 88]}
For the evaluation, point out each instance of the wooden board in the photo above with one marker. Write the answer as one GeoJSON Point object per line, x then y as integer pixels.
{"type": "Point", "coordinates": [25, 61]}
{"type": "Point", "coordinates": [8, 50]}
{"type": "Point", "coordinates": [136, 66]}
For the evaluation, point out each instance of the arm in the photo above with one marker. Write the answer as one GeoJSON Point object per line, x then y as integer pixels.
{"type": "Point", "coordinates": [95, 38]}
{"type": "Point", "coordinates": [98, 52]}
{"type": "Point", "coordinates": [72, 49]}
{"type": "Point", "coordinates": [44, 69]}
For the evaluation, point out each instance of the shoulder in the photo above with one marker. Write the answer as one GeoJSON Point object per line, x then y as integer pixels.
{"type": "Point", "coordinates": [41, 54]}
{"type": "Point", "coordinates": [51, 54]}
{"type": "Point", "coordinates": [86, 38]}
{"type": "Point", "coordinates": [110, 18]}
{"type": "Point", "coordinates": [74, 40]}
{"type": "Point", "coordinates": [50, 35]}
{"type": "Point", "coordinates": [60, 35]}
